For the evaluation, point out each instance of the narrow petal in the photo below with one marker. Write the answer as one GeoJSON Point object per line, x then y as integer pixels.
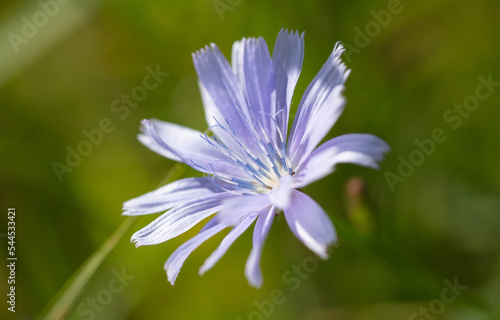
{"type": "Point", "coordinates": [149, 141]}
{"type": "Point", "coordinates": [260, 82]}
{"type": "Point", "coordinates": [171, 195]}
{"type": "Point", "coordinates": [237, 207]}
{"type": "Point", "coordinates": [237, 62]}
{"type": "Point", "coordinates": [213, 115]}
{"type": "Point", "coordinates": [234, 234]}
{"type": "Point", "coordinates": [179, 219]}
{"type": "Point", "coordinates": [188, 146]}
{"type": "Point", "coordinates": [319, 108]}
{"type": "Point", "coordinates": [176, 260]}
{"type": "Point", "coordinates": [177, 141]}
{"type": "Point", "coordinates": [310, 224]}
{"type": "Point", "coordinates": [357, 148]}
{"type": "Point", "coordinates": [262, 227]}
{"type": "Point", "coordinates": [221, 85]}
{"type": "Point", "coordinates": [288, 56]}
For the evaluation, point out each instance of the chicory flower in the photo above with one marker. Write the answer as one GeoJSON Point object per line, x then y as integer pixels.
{"type": "Point", "coordinates": [253, 165]}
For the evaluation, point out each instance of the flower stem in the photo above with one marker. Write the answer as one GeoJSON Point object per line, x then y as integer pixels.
{"type": "Point", "coordinates": [65, 300]}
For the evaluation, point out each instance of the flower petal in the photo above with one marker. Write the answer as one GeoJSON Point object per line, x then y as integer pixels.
{"type": "Point", "coordinates": [187, 145]}
{"type": "Point", "coordinates": [357, 148]}
{"type": "Point", "coordinates": [310, 224]}
{"type": "Point", "coordinates": [234, 234]}
{"type": "Point", "coordinates": [319, 108]}
{"type": "Point", "coordinates": [179, 219]}
{"type": "Point", "coordinates": [252, 267]}
{"type": "Point", "coordinates": [235, 208]}
{"type": "Point", "coordinates": [149, 141]}
{"type": "Point", "coordinates": [237, 62]}
{"type": "Point", "coordinates": [222, 86]}
{"type": "Point", "coordinates": [175, 141]}
{"type": "Point", "coordinates": [170, 195]}
{"type": "Point", "coordinates": [176, 260]}
{"type": "Point", "coordinates": [213, 115]}
{"type": "Point", "coordinates": [288, 56]}
{"type": "Point", "coordinates": [260, 83]}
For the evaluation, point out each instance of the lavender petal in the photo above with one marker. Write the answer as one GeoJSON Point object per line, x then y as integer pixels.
{"type": "Point", "coordinates": [310, 224]}
{"type": "Point", "coordinates": [252, 266]}
{"type": "Point", "coordinates": [362, 149]}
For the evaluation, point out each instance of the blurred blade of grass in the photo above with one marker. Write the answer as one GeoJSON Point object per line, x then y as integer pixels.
{"type": "Point", "coordinates": [18, 49]}
{"type": "Point", "coordinates": [65, 299]}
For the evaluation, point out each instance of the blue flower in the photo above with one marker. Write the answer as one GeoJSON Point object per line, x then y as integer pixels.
{"type": "Point", "coordinates": [253, 166]}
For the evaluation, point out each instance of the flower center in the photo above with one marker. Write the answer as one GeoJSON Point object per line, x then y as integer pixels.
{"type": "Point", "coordinates": [262, 155]}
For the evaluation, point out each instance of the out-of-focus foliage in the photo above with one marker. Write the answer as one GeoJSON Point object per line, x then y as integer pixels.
{"type": "Point", "coordinates": [399, 242]}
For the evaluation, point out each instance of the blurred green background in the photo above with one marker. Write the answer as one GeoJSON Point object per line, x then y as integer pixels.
{"type": "Point", "coordinates": [399, 242]}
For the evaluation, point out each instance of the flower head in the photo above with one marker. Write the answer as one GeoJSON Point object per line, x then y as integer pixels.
{"type": "Point", "coordinates": [253, 166]}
